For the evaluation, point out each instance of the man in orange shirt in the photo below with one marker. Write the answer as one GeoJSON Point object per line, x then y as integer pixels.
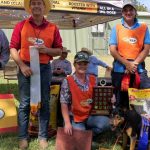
{"type": "Point", "coordinates": [76, 99]}
{"type": "Point", "coordinates": [35, 31]}
{"type": "Point", "coordinates": [129, 45]}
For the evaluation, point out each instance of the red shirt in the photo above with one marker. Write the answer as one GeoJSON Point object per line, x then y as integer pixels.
{"type": "Point", "coordinates": [16, 36]}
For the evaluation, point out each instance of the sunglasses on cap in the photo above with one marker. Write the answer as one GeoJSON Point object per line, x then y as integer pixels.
{"type": "Point", "coordinates": [81, 56]}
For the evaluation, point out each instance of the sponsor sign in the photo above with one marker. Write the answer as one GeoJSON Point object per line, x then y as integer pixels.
{"type": "Point", "coordinates": [107, 9]}
{"type": "Point", "coordinates": [78, 6]}
{"type": "Point", "coordinates": [11, 3]}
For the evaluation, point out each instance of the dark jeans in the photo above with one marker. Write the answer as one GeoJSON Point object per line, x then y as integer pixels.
{"type": "Point", "coordinates": [121, 97]}
{"type": "Point", "coordinates": [97, 124]}
{"type": "Point", "coordinates": [24, 107]}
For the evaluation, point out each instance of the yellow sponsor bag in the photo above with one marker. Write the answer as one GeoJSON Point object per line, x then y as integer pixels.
{"type": "Point", "coordinates": [8, 114]}
{"type": "Point", "coordinates": [53, 105]}
{"type": "Point", "coordinates": [140, 99]}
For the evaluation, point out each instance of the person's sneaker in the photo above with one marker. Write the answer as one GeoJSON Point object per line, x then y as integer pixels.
{"type": "Point", "coordinates": [43, 144]}
{"type": "Point", "coordinates": [23, 144]}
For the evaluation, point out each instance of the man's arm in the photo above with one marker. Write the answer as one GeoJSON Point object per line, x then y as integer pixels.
{"type": "Point", "coordinates": [99, 62]}
{"type": "Point", "coordinates": [4, 49]}
{"type": "Point", "coordinates": [65, 100]}
{"type": "Point", "coordinates": [141, 57]}
{"type": "Point", "coordinates": [54, 51]}
{"type": "Point", "coordinates": [69, 69]}
{"type": "Point", "coordinates": [49, 51]}
{"type": "Point", "coordinates": [15, 45]}
{"type": "Point", "coordinates": [23, 67]}
{"type": "Point", "coordinates": [65, 114]}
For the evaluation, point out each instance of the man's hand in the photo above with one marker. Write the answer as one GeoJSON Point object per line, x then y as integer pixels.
{"type": "Point", "coordinates": [113, 99]}
{"type": "Point", "coordinates": [26, 70]}
{"type": "Point", "coordinates": [131, 67]}
{"type": "Point", "coordinates": [68, 128]}
{"type": "Point", "coordinates": [60, 71]}
{"type": "Point", "coordinates": [42, 49]}
{"type": "Point", "coordinates": [109, 68]}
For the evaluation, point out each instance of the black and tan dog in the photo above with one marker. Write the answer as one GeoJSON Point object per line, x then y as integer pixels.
{"type": "Point", "coordinates": [131, 122]}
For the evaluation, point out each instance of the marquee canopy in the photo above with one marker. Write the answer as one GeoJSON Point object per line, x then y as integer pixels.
{"type": "Point", "coordinates": [67, 14]}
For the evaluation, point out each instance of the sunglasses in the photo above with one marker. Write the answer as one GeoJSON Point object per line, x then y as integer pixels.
{"type": "Point", "coordinates": [82, 56]}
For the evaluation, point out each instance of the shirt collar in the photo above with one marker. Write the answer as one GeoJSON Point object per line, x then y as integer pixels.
{"type": "Point", "coordinates": [136, 23]}
{"type": "Point", "coordinates": [78, 81]}
{"type": "Point", "coordinates": [44, 22]}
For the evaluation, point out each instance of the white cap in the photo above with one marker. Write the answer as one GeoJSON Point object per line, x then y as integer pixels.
{"type": "Point", "coordinates": [129, 3]}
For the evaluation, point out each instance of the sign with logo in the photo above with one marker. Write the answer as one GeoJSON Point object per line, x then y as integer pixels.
{"type": "Point", "coordinates": [78, 6]}
{"type": "Point", "coordinates": [130, 40]}
{"type": "Point", "coordinates": [108, 9]}
{"type": "Point", "coordinates": [11, 3]}
{"type": "Point", "coordinates": [64, 5]}
{"type": "Point", "coordinates": [2, 113]}
{"type": "Point", "coordinates": [8, 114]}
{"type": "Point", "coordinates": [103, 8]}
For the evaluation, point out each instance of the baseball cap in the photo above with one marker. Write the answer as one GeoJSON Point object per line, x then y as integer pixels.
{"type": "Point", "coordinates": [129, 3]}
{"type": "Point", "coordinates": [81, 57]}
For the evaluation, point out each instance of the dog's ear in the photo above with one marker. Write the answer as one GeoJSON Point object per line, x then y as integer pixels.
{"type": "Point", "coordinates": [118, 120]}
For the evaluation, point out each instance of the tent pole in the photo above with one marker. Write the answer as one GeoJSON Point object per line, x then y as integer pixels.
{"type": "Point", "coordinates": [75, 34]}
{"type": "Point", "coordinates": [75, 37]}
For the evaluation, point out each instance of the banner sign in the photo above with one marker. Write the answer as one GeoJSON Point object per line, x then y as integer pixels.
{"type": "Point", "coordinates": [108, 9]}
{"type": "Point", "coordinates": [8, 114]}
{"type": "Point", "coordinates": [11, 3]}
{"type": "Point", "coordinates": [77, 6]}
{"type": "Point", "coordinates": [72, 6]}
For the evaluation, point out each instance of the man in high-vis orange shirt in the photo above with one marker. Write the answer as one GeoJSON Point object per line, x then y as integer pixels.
{"type": "Point", "coordinates": [35, 31]}
{"type": "Point", "coordinates": [76, 99]}
{"type": "Point", "coordinates": [129, 45]}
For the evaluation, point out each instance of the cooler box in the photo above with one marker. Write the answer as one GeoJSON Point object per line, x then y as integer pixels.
{"type": "Point", "coordinates": [80, 140]}
{"type": "Point", "coordinates": [8, 114]}
{"type": "Point", "coordinates": [102, 100]}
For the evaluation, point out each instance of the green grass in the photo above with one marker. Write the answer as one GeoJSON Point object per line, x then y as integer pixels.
{"type": "Point", "coordinates": [10, 141]}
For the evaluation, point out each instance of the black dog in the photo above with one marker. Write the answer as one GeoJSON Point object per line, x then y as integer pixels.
{"type": "Point", "coordinates": [132, 122]}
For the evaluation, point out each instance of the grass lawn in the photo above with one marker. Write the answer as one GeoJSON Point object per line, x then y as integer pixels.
{"type": "Point", "coordinates": [10, 141]}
